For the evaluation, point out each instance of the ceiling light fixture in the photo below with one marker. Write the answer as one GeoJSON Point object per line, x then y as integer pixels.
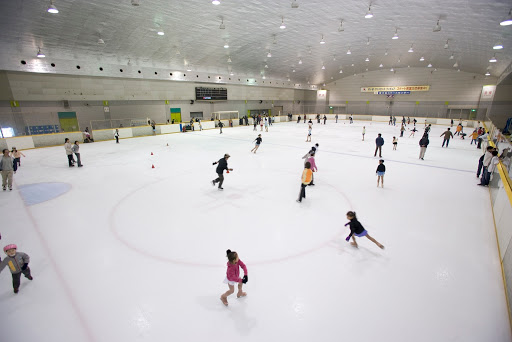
{"type": "Point", "coordinates": [135, 3]}
{"type": "Point", "coordinates": [231, 73]}
{"type": "Point", "coordinates": [275, 40]}
{"type": "Point", "coordinates": [215, 2]}
{"type": "Point", "coordinates": [446, 46]}
{"type": "Point", "coordinates": [410, 49]}
{"type": "Point", "coordinates": [458, 70]}
{"type": "Point", "coordinates": [341, 29]}
{"type": "Point", "coordinates": [266, 66]}
{"type": "Point", "coordinates": [222, 26]}
{"type": "Point", "coordinates": [282, 24]}
{"type": "Point", "coordinates": [295, 4]}
{"type": "Point", "coordinates": [189, 68]}
{"type": "Point", "coordinates": [437, 28]}
{"type": "Point", "coordinates": [52, 9]}
{"type": "Point", "coordinates": [269, 54]}
{"type": "Point", "coordinates": [229, 59]}
{"type": "Point", "coordinates": [322, 41]}
{"type": "Point", "coordinates": [493, 59]}
{"type": "Point", "coordinates": [380, 66]}
{"type": "Point", "coordinates": [391, 69]}
{"type": "Point", "coordinates": [367, 59]}
{"type": "Point", "coordinates": [323, 67]}
{"type": "Point", "coordinates": [300, 61]}
{"type": "Point", "coordinates": [101, 41]}
{"type": "Point", "coordinates": [451, 57]}
{"type": "Point", "coordinates": [160, 33]}
{"type": "Point", "coordinates": [293, 70]}
{"type": "Point", "coordinates": [498, 46]}
{"type": "Point", "coordinates": [396, 34]}
{"type": "Point", "coordinates": [456, 65]}
{"type": "Point", "coordinates": [226, 45]}
{"type": "Point", "coordinates": [368, 41]}
{"type": "Point", "coordinates": [40, 54]}
{"type": "Point", "coordinates": [429, 65]}
{"type": "Point", "coordinates": [508, 20]}
{"type": "Point", "coordinates": [341, 71]}
{"type": "Point", "coordinates": [333, 57]}
{"type": "Point", "coordinates": [348, 52]}
{"type": "Point", "coordinates": [422, 59]}
{"type": "Point", "coordinates": [487, 73]}
{"type": "Point", "coordinates": [369, 14]}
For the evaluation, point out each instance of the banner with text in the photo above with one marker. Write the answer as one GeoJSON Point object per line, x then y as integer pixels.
{"type": "Point", "coordinates": [397, 88]}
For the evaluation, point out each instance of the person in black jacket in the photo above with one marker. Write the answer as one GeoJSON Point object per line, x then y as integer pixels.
{"type": "Point", "coordinates": [381, 170]}
{"type": "Point", "coordinates": [223, 165]}
{"type": "Point", "coordinates": [378, 145]}
{"type": "Point", "coordinates": [357, 229]}
{"type": "Point", "coordinates": [423, 145]}
{"type": "Point", "coordinates": [220, 126]}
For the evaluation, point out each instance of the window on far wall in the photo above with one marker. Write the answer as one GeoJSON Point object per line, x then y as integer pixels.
{"type": "Point", "coordinates": [7, 132]}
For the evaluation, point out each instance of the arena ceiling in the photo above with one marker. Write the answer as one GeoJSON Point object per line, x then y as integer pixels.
{"type": "Point", "coordinates": [123, 34]}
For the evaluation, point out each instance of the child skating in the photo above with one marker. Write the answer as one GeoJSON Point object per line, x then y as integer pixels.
{"type": "Point", "coordinates": [266, 125]}
{"type": "Point", "coordinates": [116, 135]}
{"type": "Point", "coordinates": [233, 276]}
{"type": "Point", "coordinates": [395, 143]}
{"type": "Point", "coordinates": [258, 142]}
{"type": "Point", "coordinates": [413, 130]}
{"type": "Point", "coordinates": [357, 229]}
{"type": "Point", "coordinates": [18, 264]}
{"type": "Point", "coordinates": [16, 155]}
{"type": "Point", "coordinates": [381, 170]}
{"type": "Point", "coordinates": [307, 177]}
{"type": "Point", "coordinates": [310, 128]}
{"type": "Point", "coordinates": [364, 131]}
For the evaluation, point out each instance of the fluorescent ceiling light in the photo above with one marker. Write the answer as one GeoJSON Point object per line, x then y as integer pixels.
{"type": "Point", "coordinates": [231, 73]}
{"type": "Point", "coordinates": [101, 41]}
{"type": "Point", "coordinates": [410, 49]}
{"type": "Point", "coordinates": [446, 45]}
{"type": "Point", "coordinates": [341, 71]}
{"type": "Point", "coordinates": [348, 52]}
{"type": "Point", "coordinates": [264, 77]}
{"type": "Point", "coordinates": [52, 9]}
{"type": "Point", "coordinates": [437, 28]}
{"type": "Point", "coordinates": [160, 33]}
{"type": "Point", "coordinates": [40, 54]}
{"type": "Point", "coordinates": [300, 61]}
{"type": "Point", "coordinates": [323, 67]}
{"type": "Point", "coordinates": [189, 69]}
{"type": "Point", "coordinates": [282, 23]}
{"type": "Point", "coordinates": [456, 65]}
{"type": "Point", "coordinates": [396, 34]}
{"type": "Point", "coordinates": [452, 57]}
{"type": "Point", "coordinates": [269, 54]}
{"type": "Point", "coordinates": [422, 59]}
{"type": "Point", "coordinates": [367, 59]}
{"type": "Point", "coordinates": [508, 20]}
{"type": "Point", "coordinates": [295, 4]}
{"type": "Point", "coordinates": [380, 66]}
{"type": "Point", "coordinates": [369, 13]}
{"type": "Point", "coordinates": [215, 2]}
{"type": "Point", "coordinates": [229, 59]}
{"type": "Point", "coordinates": [226, 45]}
{"type": "Point", "coordinates": [266, 66]}
{"type": "Point", "coordinates": [293, 70]}
{"type": "Point", "coordinates": [322, 41]}
{"type": "Point", "coordinates": [429, 65]}
{"type": "Point", "coordinates": [493, 59]}
{"type": "Point", "coordinates": [391, 69]}
{"type": "Point", "coordinates": [487, 73]}
{"type": "Point", "coordinates": [498, 46]}
{"type": "Point", "coordinates": [458, 70]}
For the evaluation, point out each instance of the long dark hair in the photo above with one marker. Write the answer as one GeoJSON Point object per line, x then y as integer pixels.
{"type": "Point", "coordinates": [231, 256]}
{"type": "Point", "coordinates": [352, 214]}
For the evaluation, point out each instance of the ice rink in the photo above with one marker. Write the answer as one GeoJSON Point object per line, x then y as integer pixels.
{"type": "Point", "coordinates": [124, 252]}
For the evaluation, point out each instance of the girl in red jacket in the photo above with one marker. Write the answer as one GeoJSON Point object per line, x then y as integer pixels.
{"type": "Point", "coordinates": [233, 276]}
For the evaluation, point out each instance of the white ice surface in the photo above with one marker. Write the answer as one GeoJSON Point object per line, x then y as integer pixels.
{"type": "Point", "coordinates": [132, 253]}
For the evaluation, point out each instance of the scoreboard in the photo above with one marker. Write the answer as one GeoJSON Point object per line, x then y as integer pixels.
{"type": "Point", "coordinates": [211, 94]}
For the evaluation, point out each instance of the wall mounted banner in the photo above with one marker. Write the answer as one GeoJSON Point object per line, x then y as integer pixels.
{"type": "Point", "coordinates": [398, 88]}
{"type": "Point", "coordinates": [392, 92]}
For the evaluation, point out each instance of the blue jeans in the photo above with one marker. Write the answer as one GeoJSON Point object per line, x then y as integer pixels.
{"type": "Point", "coordinates": [485, 177]}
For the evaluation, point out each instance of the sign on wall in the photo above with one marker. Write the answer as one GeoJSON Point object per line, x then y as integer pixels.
{"type": "Point", "coordinates": [321, 94]}
{"type": "Point", "coordinates": [392, 92]}
{"type": "Point", "coordinates": [488, 91]}
{"type": "Point", "coordinates": [395, 88]}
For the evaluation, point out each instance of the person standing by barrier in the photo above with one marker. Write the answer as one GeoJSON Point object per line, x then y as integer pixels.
{"type": "Point", "coordinates": [307, 177]}
{"type": "Point", "coordinates": [325, 119]}
{"type": "Point", "coordinates": [486, 162]}
{"type": "Point", "coordinates": [481, 161]}
{"type": "Point", "coordinates": [116, 135]}
{"type": "Point", "coordinates": [336, 117]}
{"type": "Point", "coordinates": [220, 126]}
{"type": "Point", "coordinates": [423, 145]}
{"type": "Point", "coordinates": [223, 165]}
{"type": "Point", "coordinates": [16, 155]}
{"type": "Point", "coordinates": [364, 131]}
{"type": "Point", "coordinates": [447, 135]}
{"type": "Point", "coordinates": [69, 152]}
{"type": "Point", "coordinates": [379, 142]}
{"type": "Point", "coordinates": [76, 150]}
{"type": "Point", "coordinates": [402, 130]}
{"type": "Point", "coordinates": [7, 169]}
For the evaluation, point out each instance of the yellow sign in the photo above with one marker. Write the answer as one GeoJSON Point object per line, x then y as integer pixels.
{"type": "Point", "coordinates": [15, 104]}
{"type": "Point", "coordinates": [367, 102]}
{"type": "Point", "coordinates": [396, 88]}
{"type": "Point", "coordinates": [166, 101]}
{"type": "Point", "coordinates": [417, 102]}
{"type": "Point", "coordinates": [105, 103]}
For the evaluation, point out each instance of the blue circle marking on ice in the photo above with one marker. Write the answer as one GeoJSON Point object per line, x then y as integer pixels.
{"type": "Point", "coordinates": [41, 192]}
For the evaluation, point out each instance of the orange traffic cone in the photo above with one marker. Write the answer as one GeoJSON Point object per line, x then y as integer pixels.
{"type": "Point", "coordinates": [151, 153]}
{"type": "Point", "coordinates": [152, 166]}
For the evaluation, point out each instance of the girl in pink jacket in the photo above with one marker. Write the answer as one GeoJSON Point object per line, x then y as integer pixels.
{"type": "Point", "coordinates": [233, 276]}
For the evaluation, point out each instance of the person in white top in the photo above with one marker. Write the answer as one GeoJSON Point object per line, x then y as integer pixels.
{"type": "Point", "coordinates": [490, 161]}
{"type": "Point", "coordinates": [69, 152]}
{"type": "Point", "coordinates": [364, 131]}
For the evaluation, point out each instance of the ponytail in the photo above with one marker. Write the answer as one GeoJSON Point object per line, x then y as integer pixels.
{"type": "Point", "coordinates": [352, 214]}
{"type": "Point", "coordinates": [232, 256]}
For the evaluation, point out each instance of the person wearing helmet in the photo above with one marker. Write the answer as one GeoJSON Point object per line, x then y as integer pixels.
{"type": "Point", "coordinates": [18, 264]}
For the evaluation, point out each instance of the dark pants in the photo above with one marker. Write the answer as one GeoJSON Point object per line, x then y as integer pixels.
{"type": "Point", "coordinates": [70, 159]}
{"type": "Point", "coordinates": [479, 143]}
{"type": "Point", "coordinates": [480, 166]}
{"type": "Point", "coordinates": [304, 120]}
{"type": "Point", "coordinates": [15, 164]}
{"type": "Point", "coordinates": [302, 193]}
{"type": "Point", "coordinates": [17, 276]}
{"type": "Point", "coordinates": [220, 130]}
{"type": "Point", "coordinates": [219, 179]}
{"type": "Point", "coordinates": [486, 176]}
{"type": "Point", "coordinates": [472, 141]}
{"type": "Point", "coordinates": [447, 141]}
{"type": "Point", "coordinates": [117, 140]}
{"type": "Point", "coordinates": [379, 148]}
{"type": "Point", "coordinates": [298, 119]}
{"type": "Point", "coordinates": [78, 159]}
{"type": "Point", "coordinates": [401, 134]}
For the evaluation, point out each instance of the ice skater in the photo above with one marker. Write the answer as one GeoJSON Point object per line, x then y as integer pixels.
{"type": "Point", "coordinates": [364, 131]}
{"type": "Point", "coordinates": [307, 177]}
{"type": "Point", "coordinates": [18, 264]}
{"type": "Point", "coordinates": [116, 135]}
{"type": "Point", "coordinates": [310, 128]}
{"type": "Point", "coordinates": [298, 118]}
{"type": "Point", "coordinates": [325, 118]}
{"type": "Point", "coordinates": [16, 155]}
{"type": "Point", "coordinates": [7, 169]}
{"type": "Point", "coordinates": [351, 119]}
{"type": "Point", "coordinates": [255, 124]}
{"type": "Point", "coordinates": [395, 143]}
{"type": "Point", "coordinates": [357, 229]}
{"type": "Point", "coordinates": [447, 135]}
{"type": "Point", "coordinates": [381, 170]}
{"type": "Point", "coordinates": [233, 277]}
{"type": "Point", "coordinates": [258, 142]}
{"type": "Point", "coordinates": [223, 165]}
{"type": "Point", "coordinates": [266, 125]}
{"type": "Point", "coordinates": [261, 125]}
{"type": "Point", "coordinates": [423, 145]}
{"type": "Point", "coordinates": [76, 150]}
{"type": "Point", "coordinates": [313, 167]}
{"type": "Point", "coordinates": [69, 152]}
{"type": "Point", "coordinates": [220, 126]}
{"type": "Point", "coordinates": [379, 142]}
{"type": "Point", "coordinates": [413, 130]}
{"type": "Point", "coordinates": [402, 130]}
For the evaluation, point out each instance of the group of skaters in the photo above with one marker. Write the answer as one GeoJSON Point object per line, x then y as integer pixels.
{"type": "Point", "coordinates": [9, 164]}
{"type": "Point", "coordinates": [73, 149]}
{"type": "Point", "coordinates": [392, 121]}
{"type": "Point", "coordinates": [324, 118]}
